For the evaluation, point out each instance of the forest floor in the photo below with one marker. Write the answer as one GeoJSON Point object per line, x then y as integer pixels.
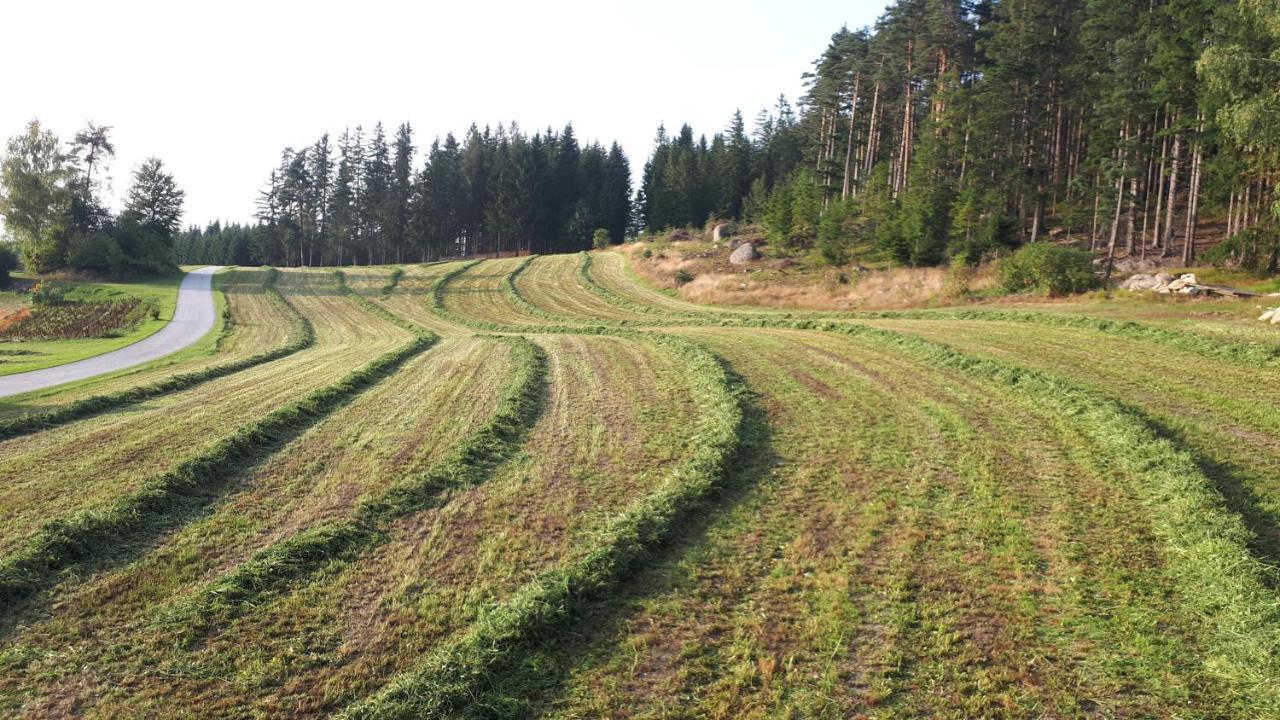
{"type": "Point", "coordinates": [547, 487]}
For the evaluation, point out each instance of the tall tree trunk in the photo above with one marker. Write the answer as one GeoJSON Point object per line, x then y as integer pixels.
{"type": "Point", "coordinates": [847, 190]}
{"type": "Point", "coordinates": [1174, 167]}
{"type": "Point", "coordinates": [871, 134]}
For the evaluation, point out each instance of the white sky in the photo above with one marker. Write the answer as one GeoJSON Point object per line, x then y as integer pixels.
{"type": "Point", "coordinates": [216, 90]}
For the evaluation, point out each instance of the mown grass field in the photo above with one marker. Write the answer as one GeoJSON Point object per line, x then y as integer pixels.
{"type": "Point", "coordinates": [537, 487]}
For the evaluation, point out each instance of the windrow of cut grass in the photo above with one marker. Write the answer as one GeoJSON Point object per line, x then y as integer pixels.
{"type": "Point", "coordinates": [1256, 354]}
{"type": "Point", "coordinates": [452, 679]}
{"type": "Point", "coordinates": [406, 427]}
{"type": "Point", "coordinates": [551, 283]}
{"type": "Point", "coordinates": [478, 293]}
{"type": "Point", "coordinates": [1207, 545]}
{"type": "Point", "coordinates": [90, 463]}
{"type": "Point", "coordinates": [300, 336]}
{"type": "Point", "coordinates": [607, 435]}
{"type": "Point", "coordinates": [93, 460]}
{"type": "Point", "coordinates": [919, 544]}
{"type": "Point", "coordinates": [94, 535]}
{"type": "Point", "coordinates": [1227, 414]}
{"type": "Point", "coordinates": [469, 463]}
{"type": "Point", "coordinates": [612, 280]}
{"type": "Point", "coordinates": [414, 297]}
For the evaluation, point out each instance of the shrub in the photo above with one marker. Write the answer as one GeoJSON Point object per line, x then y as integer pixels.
{"type": "Point", "coordinates": [1256, 249]}
{"type": "Point", "coordinates": [600, 239]}
{"type": "Point", "coordinates": [1049, 269]}
{"type": "Point", "coordinates": [683, 276]}
{"type": "Point", "coordinates": [46, 293]}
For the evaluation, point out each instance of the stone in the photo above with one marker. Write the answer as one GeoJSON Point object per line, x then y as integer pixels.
{"type": "Point", "coordinates": [720, 232]}
{"type": "Point", "coordinates": [1266, 316]}
{"type": "Point", "coordinates": [745, 253]}
{"type": "Point", "coordinates": [1141, 282]}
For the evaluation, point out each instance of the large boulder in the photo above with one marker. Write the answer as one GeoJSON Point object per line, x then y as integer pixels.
{"type": "Point", "coordinates": [745, 253]}
{"type": "Point", "coordinates": [1141, 282]}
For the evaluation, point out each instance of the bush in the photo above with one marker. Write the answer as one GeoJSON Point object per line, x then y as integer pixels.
{"type": "Point", "coordinates": [600, 239]}
{"type": "Point", "coordinates": [683, 276]}
{"type": "Point", "coordinates": [8, 263]}
{"type": "Point", "coordinates": [1256, 249]}
{"type": "Point", "coordinates": [1049, 269]}
{"type": "Point", "coordinates": [46, 293]}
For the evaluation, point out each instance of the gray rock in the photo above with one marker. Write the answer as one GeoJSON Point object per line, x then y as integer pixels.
{"type": "Point", "coordinates": [744, 254]}
{"type": "Point", "coordinates": [720, 232]}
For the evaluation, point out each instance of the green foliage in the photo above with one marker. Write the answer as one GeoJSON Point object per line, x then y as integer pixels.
{"type": "Point", "coordinates": [1049, 269]}
{"type": "Point", "coordinates": [793, 212]}
{"type": "Point", "coordinates": [1256, 249]}
{"type": "Point", "coordinates": [49, 198]}
{"type": "Point", "coordinates": [837, 230]}
{"type": "Point", "coordinates": [8, 262]}
{"type": "Point", "coordinates": [683, 277]}
{"type": "Point", "coordinates": [46, 293]}
{"type": "Point", "coordinates": [600, 239]}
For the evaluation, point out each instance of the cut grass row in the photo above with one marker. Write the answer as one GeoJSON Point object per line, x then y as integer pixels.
{"type": "Point", "coordinates": [91, 462]}
{"type": "Point", "coordinates": [469, 463]}
{"type": "Point", "coordinates": [92, 535]}
{"type": "Point", "coordinates": [608, 277]}
{"type": "Point", "coordinates": [328, 641]}
{"type": "Point", "coordinates": [450, 681]}
{"type": "Point", "coordinates": [1219, 579]}
{"type": "Point", "coordinates": [300, 336]}
{"type": "Point", "coordinates": [919, 544]}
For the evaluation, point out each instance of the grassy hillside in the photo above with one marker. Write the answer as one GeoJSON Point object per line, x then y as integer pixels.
{"type": "Point", "coordinates": [543, 487]}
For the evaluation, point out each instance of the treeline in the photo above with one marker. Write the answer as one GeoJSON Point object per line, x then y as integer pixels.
{"type": "Point", "coordinates": [367, 201]}
{"type": "Point", "coordinates": [956, 129]}
{"type": "Point", "coordinates": [51, 200]}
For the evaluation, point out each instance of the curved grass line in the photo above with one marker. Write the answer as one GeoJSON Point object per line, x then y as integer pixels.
{"type": "Point", "coordinates": [455, 676]}
{"type": "Point", "coordinates": [1247, 353]}
{"type": "Point", "coordinates": [1207, 545]}
{"type": "Point", "coordinates": [92, 535]}
{"type": "Point", "coordinates": [302, 336]}
{"type": "Point", "coordinates": [1255, 354]}
{"type": "Point", "coordinates": [470, 463]}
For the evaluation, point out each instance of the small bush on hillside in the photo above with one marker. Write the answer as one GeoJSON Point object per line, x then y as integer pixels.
{"type": "Point", "coordinates": [600, 239]}
{"type": "Point", "coordinates": [683, 277]}
{"type": "Point", "coordinates": [1049, 269]}
{"type": "Point", "coordinates": [46, 293]}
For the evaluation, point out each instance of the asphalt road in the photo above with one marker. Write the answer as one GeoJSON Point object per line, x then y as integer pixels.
{"type": "Point", "coordinates": [194, 316]}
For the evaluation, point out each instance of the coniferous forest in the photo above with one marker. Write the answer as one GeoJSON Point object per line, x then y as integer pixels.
{"type": "Point", "coordinates": [959, 129]}
{"type": "Point", "coordinates": [949, 130]}
{"type": "Point", "coordinates": [365, 200]}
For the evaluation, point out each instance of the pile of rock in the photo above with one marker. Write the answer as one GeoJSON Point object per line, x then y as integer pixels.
{"type": "Point", "coordinates": [1187, 284]}
{"type": "Point", "coordinates": [1155, 282]}
{"type": "Point", "coordinates": [1272, 316]}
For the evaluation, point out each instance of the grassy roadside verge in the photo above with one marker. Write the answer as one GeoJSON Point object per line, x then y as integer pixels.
{"type": "Point", "coordinates": [301, 335]}
{"type": "Point", "coordinates": [162, 292]}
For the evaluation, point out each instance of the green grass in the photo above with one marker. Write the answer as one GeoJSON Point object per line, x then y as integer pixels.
{"type": "Point", "coordinates": [594, 499]}
{"type": "Point", "coordinates": [162, 292]}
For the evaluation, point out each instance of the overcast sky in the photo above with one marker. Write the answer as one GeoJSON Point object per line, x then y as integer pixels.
{"type": "Point", "coordinates": [216, 90]}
